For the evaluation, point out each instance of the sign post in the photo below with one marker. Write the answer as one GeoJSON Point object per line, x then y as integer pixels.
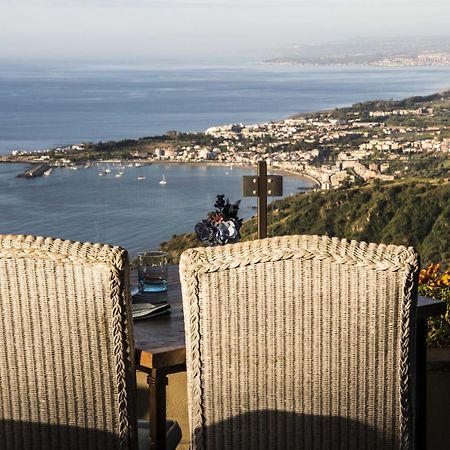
{"type": "Point", "coordinates": [262, 186]}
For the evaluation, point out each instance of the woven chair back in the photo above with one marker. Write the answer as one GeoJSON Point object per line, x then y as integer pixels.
{"type": "Point", "coordinates": [300, 342]}
{"type": "Point", "coordinates": [66, 372]}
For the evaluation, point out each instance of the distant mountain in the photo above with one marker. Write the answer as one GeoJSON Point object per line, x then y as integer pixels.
{"type": "Point", "coordinates": [377, 52]}
{"type": "Point", "coordinates": [413, 213]}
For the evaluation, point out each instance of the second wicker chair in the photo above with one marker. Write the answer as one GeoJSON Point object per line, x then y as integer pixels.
{"type": "Point", "coordinates": [300, 342]}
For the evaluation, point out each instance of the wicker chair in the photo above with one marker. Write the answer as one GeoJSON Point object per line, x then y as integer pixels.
{"type": "Point", "coordinates": [300, 342]}
{"type": "Point", "coordinates": [67, 377]}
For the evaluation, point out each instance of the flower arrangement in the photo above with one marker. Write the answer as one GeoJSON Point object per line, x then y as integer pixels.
{"type": "Point", "coordinates": [222, 225]}
{"type": "Point", "coordinates": [436, 284]}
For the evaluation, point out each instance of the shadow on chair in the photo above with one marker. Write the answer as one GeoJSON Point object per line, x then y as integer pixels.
{"type": "Point", "coordinates": [291, 431]}
{"type": "Point", "coordinates": [24, 435]}
{"type": "Point", "coordinates": [34, 435]}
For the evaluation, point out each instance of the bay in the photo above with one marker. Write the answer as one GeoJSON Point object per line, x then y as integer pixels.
{"type": "Point", "coordinates": [135, 214]}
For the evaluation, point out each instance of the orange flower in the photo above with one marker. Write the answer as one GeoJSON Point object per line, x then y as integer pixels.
{"type": "Point", "coordinates": [429, 275]}
{"type": "Point", "coordinates": [444, 280]}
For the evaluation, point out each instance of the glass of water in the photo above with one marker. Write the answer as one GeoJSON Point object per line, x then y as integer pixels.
{"type": "Point", "coordinates": [152, 272]}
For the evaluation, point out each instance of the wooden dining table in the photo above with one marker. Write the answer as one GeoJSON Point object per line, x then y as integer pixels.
{"type": "Point", "coordinates": [160, 350]}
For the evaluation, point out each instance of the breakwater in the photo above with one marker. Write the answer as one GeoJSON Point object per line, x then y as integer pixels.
{"type": "Point", "coordinates": [35, 171]}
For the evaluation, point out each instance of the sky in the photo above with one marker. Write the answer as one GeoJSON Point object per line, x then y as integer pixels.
{"type": "Point", "coordinates": [148, 30]}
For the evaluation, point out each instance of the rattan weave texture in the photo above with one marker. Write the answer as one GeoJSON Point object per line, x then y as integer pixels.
{"type": "Point", "coordinates": [67, 378]}
{"type": "Point", "coordinates": [300, 342]}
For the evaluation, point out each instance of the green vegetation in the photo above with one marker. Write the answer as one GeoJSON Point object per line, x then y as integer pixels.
{"type": "Point", "coordinates": [124, 148]}
{"type": "Point", "coordinates": [413, 213]}
{"type": "Point", "coordinates": [438, 103]}
{"type": "Point", "coordinates": [433, 166]}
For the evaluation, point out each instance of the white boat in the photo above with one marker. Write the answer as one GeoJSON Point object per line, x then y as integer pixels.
{"type": "Point", "coordinates": [108, 170]}
{"type": "Point", "coordinates": [48, 172]}
{"type": "Point", "coordinates": [119, 174]}
{"type": "Point", "coordinates": [141, 178]}
{"type": "Point", "coordinates": [102, 173]}
{"type": "Point", "coordinates": [163, 181]}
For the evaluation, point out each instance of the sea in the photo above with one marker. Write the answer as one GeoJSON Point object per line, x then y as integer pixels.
{"type": "Point", "coordinates": [54, 105]}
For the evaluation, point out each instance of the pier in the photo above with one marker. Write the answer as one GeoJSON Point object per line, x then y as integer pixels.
{"type": "Point", "coordinates": [35, 171]}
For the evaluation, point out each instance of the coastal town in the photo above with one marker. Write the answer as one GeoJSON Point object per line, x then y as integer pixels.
{"type": "Point", "coordinates": [373, 141]}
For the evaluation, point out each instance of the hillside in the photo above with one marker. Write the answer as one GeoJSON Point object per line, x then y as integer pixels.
{"type": "Point", "coordinates": [412, 212]}
{"type": "Point", "coordinates": [439, 102]}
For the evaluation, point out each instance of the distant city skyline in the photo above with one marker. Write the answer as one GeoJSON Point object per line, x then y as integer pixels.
{"type": "Point", "coordinates": [147, 30]}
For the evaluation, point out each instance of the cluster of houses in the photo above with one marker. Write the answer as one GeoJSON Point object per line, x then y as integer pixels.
{"type": "Point", "coordinates": [402, 112]}
{"type": "Point", "coordinates": [276, 142]}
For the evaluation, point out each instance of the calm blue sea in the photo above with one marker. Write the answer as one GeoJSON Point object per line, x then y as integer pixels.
{"type": "Point", "coordinates": [48, 106]}
{"type": "Point", "coordinates": [136, 214]}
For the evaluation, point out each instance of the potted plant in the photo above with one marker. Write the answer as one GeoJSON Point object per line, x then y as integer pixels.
{"type": "Point", "coordinates": [222, 225]}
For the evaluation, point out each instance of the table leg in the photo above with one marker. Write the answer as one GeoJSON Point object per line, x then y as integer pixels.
{"type": "Point", "coordinates": [421, 384]}
{"type": "Point", "coordinates": [157, 381]}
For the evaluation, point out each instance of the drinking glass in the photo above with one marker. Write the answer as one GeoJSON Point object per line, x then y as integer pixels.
{"type": "Point", "coordinates": [152, 272]}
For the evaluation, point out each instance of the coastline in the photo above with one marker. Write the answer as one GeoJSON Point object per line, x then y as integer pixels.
{"type": "Point", "coordinates": [301, 175]}
{"type": "Point", "coordinates": [293, 147]}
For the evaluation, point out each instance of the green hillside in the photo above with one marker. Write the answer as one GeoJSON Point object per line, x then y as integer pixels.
{"type": "Point", "coordinates": [412, 212]}
{"type": "Point", "coordinates": [439, 102]}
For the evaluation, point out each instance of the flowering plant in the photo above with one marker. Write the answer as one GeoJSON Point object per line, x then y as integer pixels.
{"type": "Point", "coordinates": [436, 284]}
{"type": "Point", "coordinates": [222, 225]}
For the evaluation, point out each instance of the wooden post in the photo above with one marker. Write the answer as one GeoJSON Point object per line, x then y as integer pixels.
{"type": "Point", "coordinates": [261, 186]}
{"type": "Point", "coordinates": [262, 199]}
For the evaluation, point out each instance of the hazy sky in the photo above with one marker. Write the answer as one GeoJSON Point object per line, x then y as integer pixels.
{"type": "Point", "coordinates": [119, 30]}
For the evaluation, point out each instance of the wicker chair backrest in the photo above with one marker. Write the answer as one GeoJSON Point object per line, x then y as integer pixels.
{"type": "Point", "coordinates": [66, 372]}
{"type": "Point", "coordinates": [300, 342]}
